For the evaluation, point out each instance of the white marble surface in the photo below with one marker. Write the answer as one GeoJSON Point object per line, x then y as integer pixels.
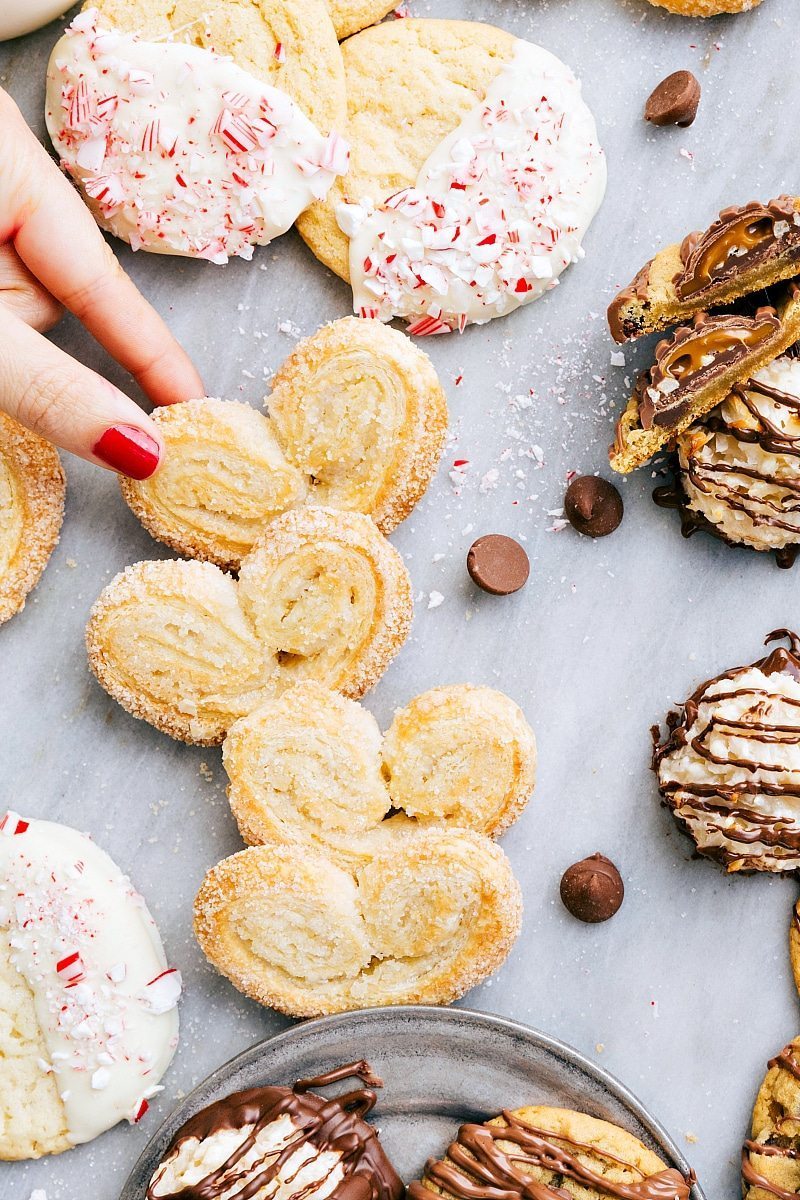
{"type": "Point", "coordinates": [687, 992]}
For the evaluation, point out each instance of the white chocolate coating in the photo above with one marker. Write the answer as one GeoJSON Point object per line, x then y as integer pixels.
{"type": "Point", "coordinates": [90, 952]}
{"type": "Point", "coordinates": [749, 492]}
{"type": "Point", "coordinates": [178, 150]}
{"type": "Point", "coordinates": [23, 16]}
{"type": "Point", "coordinates": [498, 212]}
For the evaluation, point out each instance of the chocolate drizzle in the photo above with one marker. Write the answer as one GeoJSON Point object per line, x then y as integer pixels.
{"type": "Point", "coordinates": [730, 810]}
{"type": "Point", "coordinates": [755, 1179]}
{"type": "Point", "coordinates": [694, 356]}
{"type": "Point", "coordinates": [740, 238]}
{"type": "Point", "coordinates": [787, 1061]}
{"type": "Point", "coordinates": [481, 1166]}
{"type": "Point", "coordinates": [326, 1124]}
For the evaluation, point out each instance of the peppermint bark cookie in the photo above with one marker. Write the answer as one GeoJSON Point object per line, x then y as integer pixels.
{"type": "Point", "coordinates": [771, 1155]}
{"type": "Point", "coordinates": [729, 765]}
{"type": "Point", "coordinates": [32, 489]}
{"type": "Point", "coordinates": [179, 150]}
{"type": "Point", "coordinates": [433, 224]}
{"type": "Point", "coordinates": [88, 1020]}
{"type": "Point", "coordinates": [753, 246]}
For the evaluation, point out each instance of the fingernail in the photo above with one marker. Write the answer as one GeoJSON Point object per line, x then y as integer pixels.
{"type": "Point", "coordinates": [128, 450]}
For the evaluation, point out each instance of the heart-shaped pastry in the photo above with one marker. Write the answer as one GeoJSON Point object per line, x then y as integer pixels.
{"type": "Point", "coordinates": [323, 595]}
{"type": "Point", "coordinates": [421, 922]}
{"type": "Point", "coordinates": [357, 421]}
{"type": "Point", "coordinates": [463, 756]}
{"type": "Point", "coordinates": [32, 490]}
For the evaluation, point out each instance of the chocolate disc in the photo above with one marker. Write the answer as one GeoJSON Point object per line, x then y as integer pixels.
{"type": "Point", "coordinates": [593, 506]}
{"type": "Point", "coordinates": [498, 564]}
{"type": "Point", "coordinates": [592, 889]}
{"type": "Point", "coordinates": [674, 101]}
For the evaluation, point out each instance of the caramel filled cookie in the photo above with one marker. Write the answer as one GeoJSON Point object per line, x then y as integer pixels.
{"type": "Point", "coordinates": [321, 596]}
{"type": "Point", "coordinates": [695, 369]}
{"type": "Point", "coordinates": [771, 1155]}
{"type": "Point", "coordinates": [727, 768]}
{"type": "Point", "coordinates": [460, 756]}
{"type": "Point", "coordinates": [32, 487]}
{"type": "Point", "coordinates": [747, 248]}
{"type": "Point", "coordinates": [549, 1153]}
{"type": "Point", "coordinates": [357, 421]}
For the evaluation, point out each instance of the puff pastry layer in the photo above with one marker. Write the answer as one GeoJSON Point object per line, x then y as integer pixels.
{"type": "Point", "coordinates": [182, 645]}
{"type": "Point", "coordinates": [357, 421]}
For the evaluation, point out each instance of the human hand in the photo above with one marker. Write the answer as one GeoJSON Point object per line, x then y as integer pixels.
{"type": "Point", "coordinates": [53, 254]}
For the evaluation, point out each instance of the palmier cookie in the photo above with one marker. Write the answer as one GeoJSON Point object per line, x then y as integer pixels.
{"type": "Point", "coordinates": [283, 1142]}
{"type": "Point", "coordinates": [430, 224]}
{"type": "Point", "coordinates": [321, 596]}
{"type": "Point", "coordinates": [357, 421]}
{"type": "Point", "coordinates": [746, 248]}
{"type": "Point", "coordinates": [726, 767]}
{"type": "Point", "coordinates": [695, 369]}
{"type": "Point", "coordinates": [419, 923]}
{"type": "Point", "coordinates": [706, 8]}
{"type": "Point", "coordinates": [180, 149]}
{"type": "Point", "coordinates": [771, 1155]}
{"type": "Point", "coordinates": [549, 1152]}
{"type": "Point", "coordinates": [462, 756]}
{"type": "Point", "coordinates": [88, 1019]}
{"type": "Point", "coordinates": [32, 487]}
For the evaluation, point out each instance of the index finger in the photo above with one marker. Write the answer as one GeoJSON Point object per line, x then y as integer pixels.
{"type": "Point", "coordinates": [57, 239]}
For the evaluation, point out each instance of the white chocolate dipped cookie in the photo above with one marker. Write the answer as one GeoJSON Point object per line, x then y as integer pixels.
{"type": "Point", "coordinates": [32, 490]}
{"type": "Point", "coordinates": [311, 767]}
{"type": "Point", "coordinates": [322, 595]}
{"type": "Point", "coordinates": [88, 1019]}
{"type": "Point", "coordinates": [179, 150]}
{"type": "Point", "coordinates": [433, 223]}
{"type": "Point", "coordinates": [357, 420]}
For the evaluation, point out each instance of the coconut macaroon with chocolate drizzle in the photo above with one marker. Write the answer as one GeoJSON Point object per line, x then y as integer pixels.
{"type": "Point", "coordinates": [475, 172]}
{"type": "Point", "coordinates": [729, 766]}
{"type": "Point", "coordinates": [739, 468]}
{"type": "Point", "coordinates": [542, 1153]}
{"type": "Point", "coordinates": [179, 150]}
{"type": "Point", "coordinates": [287, 1143]}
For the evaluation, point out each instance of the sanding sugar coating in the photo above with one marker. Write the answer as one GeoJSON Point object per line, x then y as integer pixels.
{"type": "Point", "coordinates": [95, 981]}
{"type": "Point", "coordinates": [499, 209]}
{"type": "Point", "coordinates": [178, 150]}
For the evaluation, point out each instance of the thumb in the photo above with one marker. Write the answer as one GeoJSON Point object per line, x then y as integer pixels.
{"type": "Point", "coordinates": [66, 403]}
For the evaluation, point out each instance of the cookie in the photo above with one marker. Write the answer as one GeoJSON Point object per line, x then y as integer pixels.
{"type": "Point", "coordinates": [206, 169]}
{"type": "Point", "coordinates": [321, 596]}
{"type": "Point", "coordinates": [794, 944]}
{"type": "Point", "coordinates": [460, 756]}
{"type": "Point", "coordinates": [350, 16]}
{"type": "Point", "coordinates": [419, 923]}
{"type": "Point", "coordinates": [549, 1152]}
{"type": "Point", "coordinates": [32, 487]}
{"type": "Point", "coordinates": [706, 8]}
{"type": "Point", "coordinates": [738, 475]}
{"type": "Point", "coordinates": [747, 248]}
{"type": "Point", "coordinates": [726, 766]}
{"type": "Point", "coordinates": [771, 1155]}
{"type": "Point", "coordinates": [285, 1138]}
{"type": "Point", "coordinates": [88, 1019]}
{"type": "Point", "coordinates": [431, 224]}
{"type": "Point", "coordinates": [357, 421]}
{"type": "Point", "coordinates": [695, 369]}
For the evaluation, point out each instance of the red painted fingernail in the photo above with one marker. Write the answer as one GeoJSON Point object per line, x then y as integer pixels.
{"type": "Point", "coordinates": [128, 450]}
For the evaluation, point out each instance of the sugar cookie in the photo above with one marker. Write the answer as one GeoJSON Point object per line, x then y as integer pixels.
{"type": "Point", "coordinates": [179, 150]}
{"type": "Point", "coordinates": [350, 16]}
{"type": "Point", "coordinates": [88, 1020]}
{"type": "Point", "coordinates": [357, 421]}
{"type": "Point", "coordinates": [706, 8]}
{"type": "Point", "coordinates": [32, 487]}
{"type": "Point", "coordinates": [321, 596]}
{"type": "Point", "coordinates": [441, 230]}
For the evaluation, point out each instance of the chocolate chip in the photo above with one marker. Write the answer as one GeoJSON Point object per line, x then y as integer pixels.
{"type": "Point", "coordinates": [674, 101]}
{"type": "Point", "coordinates": [592, 890]}
{"type": "Point", "coordinates": [498, 564]}
{"type": "Point", "coordinates": [593, 506]}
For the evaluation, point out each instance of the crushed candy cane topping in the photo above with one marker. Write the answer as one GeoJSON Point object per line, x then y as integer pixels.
{"type": "Point", "coordinates": [86, 945]}
{"type": "Point", "coordinates": [499, 210]}
{"type": "Point", "coordinates": [179, 150]}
